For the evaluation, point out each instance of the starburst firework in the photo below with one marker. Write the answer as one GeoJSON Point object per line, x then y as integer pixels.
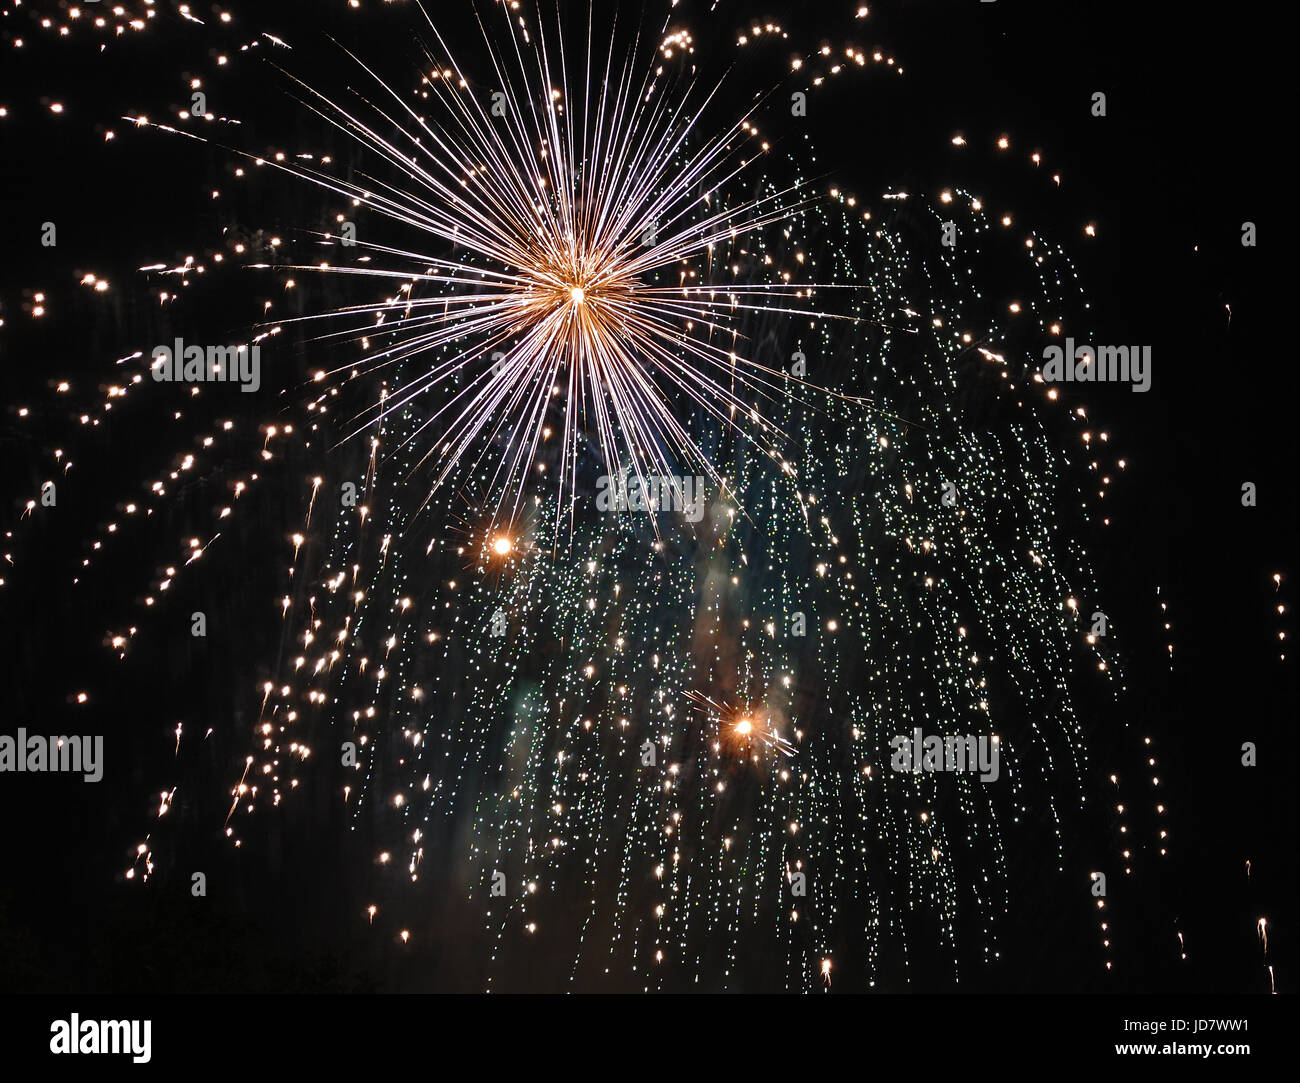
{"type": "Point", "coordinates": [564, 258]}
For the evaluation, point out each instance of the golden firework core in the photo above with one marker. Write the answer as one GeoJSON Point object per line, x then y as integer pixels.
{"type": "Point", "coordinates": [502, 545]}
{"type": "Point", "coordinates": [578, 294]}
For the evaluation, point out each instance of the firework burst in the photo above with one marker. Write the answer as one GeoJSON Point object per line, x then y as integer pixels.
{"type": "Point", "coordinates": [662, 726]}
{"type": "Point", "coordinates": [572, 263]}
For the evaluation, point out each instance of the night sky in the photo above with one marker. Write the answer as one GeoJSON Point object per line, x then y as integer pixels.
{"type": "Point", "coordinates": [1187, 152]}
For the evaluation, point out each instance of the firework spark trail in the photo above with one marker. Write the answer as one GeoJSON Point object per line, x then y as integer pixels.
{"type": "Point", "coordinates": [609, 607]}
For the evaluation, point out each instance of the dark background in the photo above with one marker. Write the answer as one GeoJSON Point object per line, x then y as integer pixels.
{"type": "Point", "coordinates": [1189, 150]}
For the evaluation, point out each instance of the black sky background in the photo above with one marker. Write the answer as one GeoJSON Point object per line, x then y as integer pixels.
{"type": "Point", "coordinates": [1191, 147]}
